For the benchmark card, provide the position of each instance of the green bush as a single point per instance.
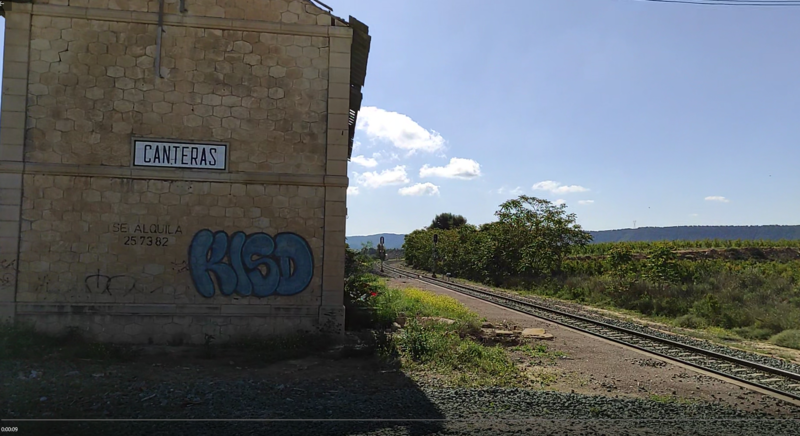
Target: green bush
(787, 338)
(691, 321)
(754, 333)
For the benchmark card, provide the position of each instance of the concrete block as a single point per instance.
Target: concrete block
(339, 106)
(339, 60)
(339, 75)
(19, 18)
(339, 90)
(10, 196)
(338, 151)
(335, 208)
(12, 136)
(11, 152)
(341, 45)
(336, 193)
(338, 122)
(336, 167)
(9, 229)
(9, 212)
(12, 119)
(17, 37)
(15, 70)
(10, 181)
(8, 246)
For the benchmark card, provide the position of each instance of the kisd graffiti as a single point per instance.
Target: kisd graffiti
(287, 258)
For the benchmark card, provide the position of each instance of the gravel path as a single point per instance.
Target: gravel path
(485, 409)
(325, 388)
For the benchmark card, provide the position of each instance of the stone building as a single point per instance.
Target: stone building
(176, 169)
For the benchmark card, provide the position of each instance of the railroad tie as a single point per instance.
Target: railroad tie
(770, 380)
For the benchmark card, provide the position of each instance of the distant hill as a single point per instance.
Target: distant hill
(685, 233)
(693, 233)
(390, 240)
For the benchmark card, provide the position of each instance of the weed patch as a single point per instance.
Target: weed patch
(788, 339)
(393, 304)
(446, 349)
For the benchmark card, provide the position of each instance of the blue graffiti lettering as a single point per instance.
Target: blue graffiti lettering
(286, 258)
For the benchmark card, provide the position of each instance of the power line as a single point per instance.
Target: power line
(730, 2)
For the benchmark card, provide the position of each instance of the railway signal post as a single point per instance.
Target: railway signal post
(435, 240)
(381, 252)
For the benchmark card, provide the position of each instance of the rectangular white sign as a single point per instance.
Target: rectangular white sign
(179, 155)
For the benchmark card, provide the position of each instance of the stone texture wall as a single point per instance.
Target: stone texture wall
(79, 227)
(282, 11)
(164, 254)
(91, 87)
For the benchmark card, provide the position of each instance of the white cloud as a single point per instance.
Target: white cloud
(364, 161)
(420, 189)
(356, 145)
(560, 201)
(374, 179)
(457, 169)
(353, 190)
(694, 215)
(399, 129)
(557, 188)
(717, 198)
(585, 201)
(515, 192)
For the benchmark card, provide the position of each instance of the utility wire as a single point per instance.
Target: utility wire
(786, 3)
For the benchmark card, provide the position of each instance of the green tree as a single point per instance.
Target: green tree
(661, 267)
(447, 221)
(621, 270)
(533, 235)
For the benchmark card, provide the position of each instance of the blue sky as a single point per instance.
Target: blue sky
(660, 113)
(664, 114)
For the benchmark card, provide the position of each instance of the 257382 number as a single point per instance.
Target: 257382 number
(158, 241)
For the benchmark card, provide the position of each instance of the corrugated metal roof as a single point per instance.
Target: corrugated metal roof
(359, 56)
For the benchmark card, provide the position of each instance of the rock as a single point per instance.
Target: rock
(396, 327)
(503, 333)
(534, 333)
(487, 325)
(435, 319)
(72, 373)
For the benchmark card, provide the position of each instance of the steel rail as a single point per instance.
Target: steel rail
(567, 317)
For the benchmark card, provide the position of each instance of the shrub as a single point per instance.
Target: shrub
(787, 338)
(691, 321)
(755, 333)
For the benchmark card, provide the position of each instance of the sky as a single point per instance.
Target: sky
(662, 114)
(626, 111)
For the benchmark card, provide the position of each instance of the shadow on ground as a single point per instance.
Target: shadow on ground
(320, 387)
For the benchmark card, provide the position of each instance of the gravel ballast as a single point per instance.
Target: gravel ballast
(355, 389)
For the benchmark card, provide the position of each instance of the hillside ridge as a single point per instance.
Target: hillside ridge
(641, 234)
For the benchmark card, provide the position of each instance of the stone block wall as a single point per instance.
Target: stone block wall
(171, 254)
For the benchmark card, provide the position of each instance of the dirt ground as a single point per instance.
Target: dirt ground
(597, 367)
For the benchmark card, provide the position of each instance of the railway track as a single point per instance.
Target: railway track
(774, 381)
